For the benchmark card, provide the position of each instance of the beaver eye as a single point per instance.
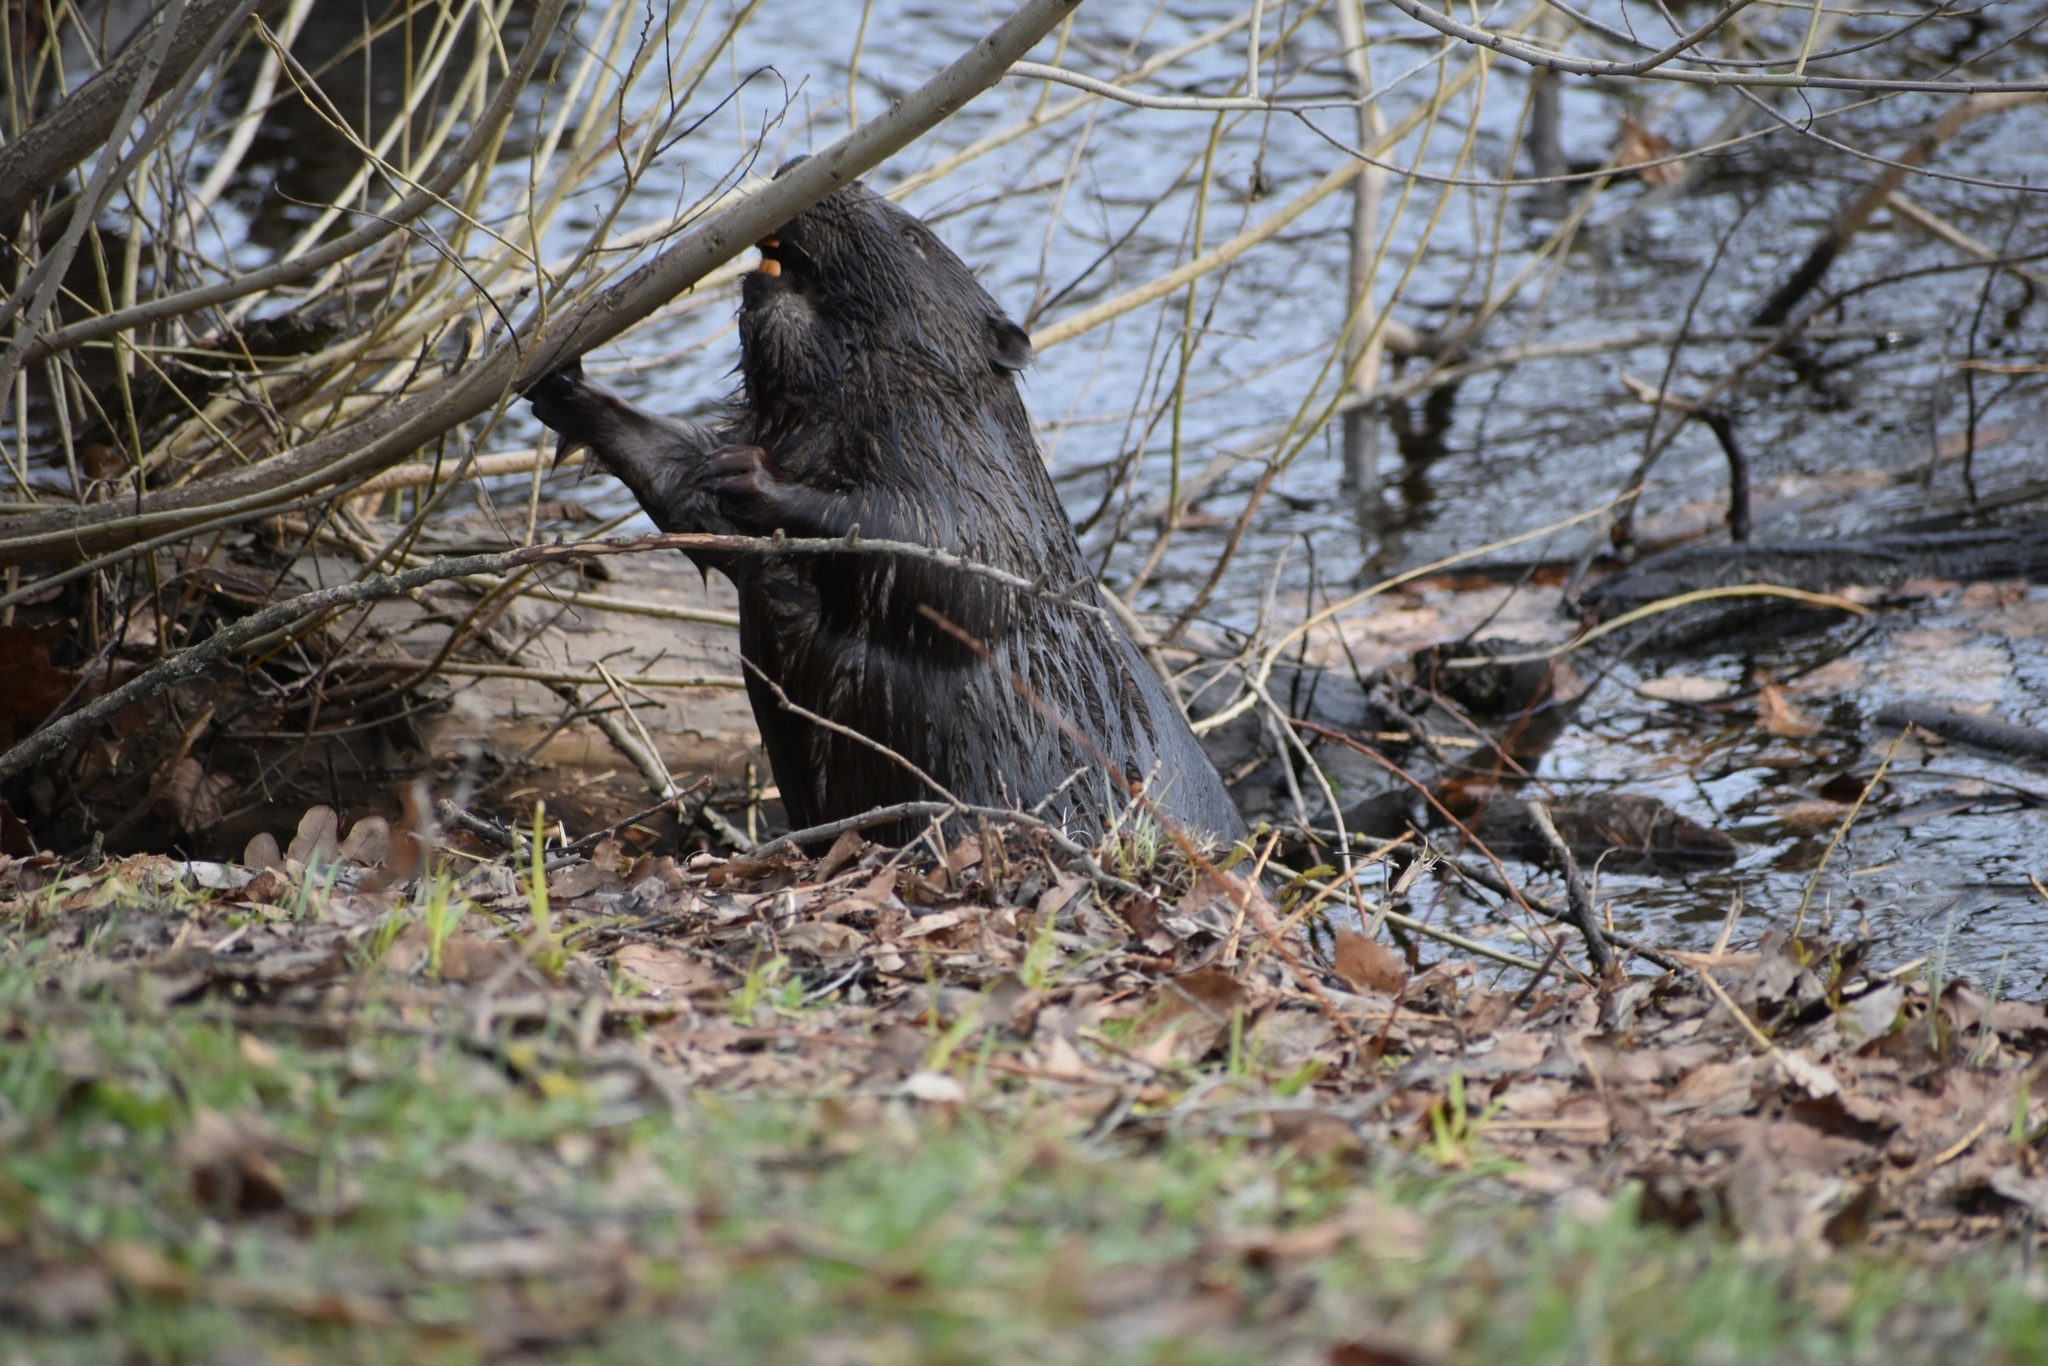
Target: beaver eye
(910, 236)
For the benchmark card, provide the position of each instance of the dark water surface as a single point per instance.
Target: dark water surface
(1850, 434)
(1863, 430)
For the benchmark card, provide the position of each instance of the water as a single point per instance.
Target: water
(1938, 865)
(1860, 431)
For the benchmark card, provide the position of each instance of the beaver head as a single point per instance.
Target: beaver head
(857, 308)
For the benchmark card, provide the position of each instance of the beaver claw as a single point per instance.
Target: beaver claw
(742, 478)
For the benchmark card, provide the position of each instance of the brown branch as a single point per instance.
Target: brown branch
(1577, 897)
(1723, 427)
(384, 437)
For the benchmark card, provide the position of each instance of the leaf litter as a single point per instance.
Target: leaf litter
(1789, 1093)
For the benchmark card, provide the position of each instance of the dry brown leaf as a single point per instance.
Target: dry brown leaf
(468, 957)
(143, 1268)
(194, 798)
(962, 856)
(581, 879)
(1368, 964)
(255, 1052)
(1834, 677)
(926, 925)
(1056, 898)
(30, 688)
(1778, 715)
(369, 840)
(1716, 1090)
(1314, 1135)
(1222, 893)
(317, 839)
(1684, 688)
(876, 894)
(1215, 992)
(1142, 915)
(1815, 1079)
(231, 1169)
(1640, 145)
(16, 839)
(669, 972)
(934, 1088)
(846, 849)
(1871, 1015)
(1813, 814)
(823, 940)
(268, 888)
(262, 852)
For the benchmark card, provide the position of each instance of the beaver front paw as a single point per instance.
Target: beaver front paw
(744, 482)
(561, 399)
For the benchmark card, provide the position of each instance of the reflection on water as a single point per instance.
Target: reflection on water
(1940, 860)
(1939, 866)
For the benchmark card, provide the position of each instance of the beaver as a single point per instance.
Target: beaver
(878, 394)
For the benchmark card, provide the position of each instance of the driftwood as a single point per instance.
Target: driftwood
(1987, 733)
(1881, 561)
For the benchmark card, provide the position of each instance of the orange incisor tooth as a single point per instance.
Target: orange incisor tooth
(770, 266)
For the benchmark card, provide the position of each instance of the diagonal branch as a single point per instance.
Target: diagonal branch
(385, 436)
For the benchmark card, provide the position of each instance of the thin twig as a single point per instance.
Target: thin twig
(1577, 898)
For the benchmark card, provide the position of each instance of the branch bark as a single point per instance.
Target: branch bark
(383, 438)
(280, 617)
(1578, 899)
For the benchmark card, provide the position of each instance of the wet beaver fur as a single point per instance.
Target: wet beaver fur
(878, 391)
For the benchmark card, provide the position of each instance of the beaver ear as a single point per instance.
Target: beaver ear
(1009, 346)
